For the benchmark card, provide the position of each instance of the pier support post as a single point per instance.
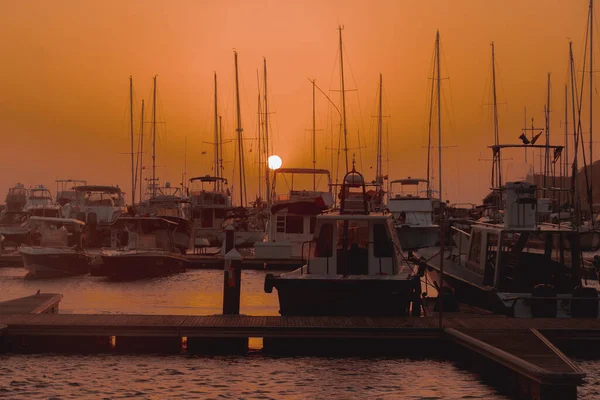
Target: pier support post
(229, 242)
(232, 282)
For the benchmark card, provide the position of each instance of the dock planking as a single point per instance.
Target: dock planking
(40, 303)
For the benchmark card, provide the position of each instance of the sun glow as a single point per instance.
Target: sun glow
(274, 162)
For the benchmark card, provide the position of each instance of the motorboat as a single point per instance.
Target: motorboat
(16, 198)
(143, 248)
(98, 206)
(56, 250)
(14, 228)
(412, 209)
(167, 202)
(211, 201)
(40, 204)
(294, 211)
(518, 268)
(355, 265)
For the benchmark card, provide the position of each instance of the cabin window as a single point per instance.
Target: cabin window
(382, 245)
(294, 224)
(474, 260)
(220, 213)
(324, 247)
(207, 218)
(490, 258)
(281, 223)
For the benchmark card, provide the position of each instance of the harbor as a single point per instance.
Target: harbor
(340, 201)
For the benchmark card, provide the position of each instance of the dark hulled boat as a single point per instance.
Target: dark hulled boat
(517, 269)
(58, 252)
(354, 267)
(149, 252)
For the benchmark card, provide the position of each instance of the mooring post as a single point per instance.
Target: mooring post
(232, 282)
(229, 242)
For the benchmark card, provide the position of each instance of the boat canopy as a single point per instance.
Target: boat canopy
(97, 188)
(56, 221)
(208, 178)
(409, 181)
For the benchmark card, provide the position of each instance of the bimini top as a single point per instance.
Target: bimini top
(57, 220)
(410, 181)
(154, 222)
(302, 171)
(97, 188)
(208, 178)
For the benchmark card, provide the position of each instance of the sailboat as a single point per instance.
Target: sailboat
(167, 202)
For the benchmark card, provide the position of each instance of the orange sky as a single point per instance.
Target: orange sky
(66, 64)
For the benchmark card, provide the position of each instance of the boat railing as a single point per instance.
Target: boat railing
(460, 233)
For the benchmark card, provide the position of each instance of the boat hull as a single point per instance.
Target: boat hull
(344, 296)
(53, 263)
(147, 265)
(589, 241)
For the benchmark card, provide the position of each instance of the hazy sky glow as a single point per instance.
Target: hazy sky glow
(64, 89)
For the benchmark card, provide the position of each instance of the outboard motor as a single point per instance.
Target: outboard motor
(582, 307)
(544, 308)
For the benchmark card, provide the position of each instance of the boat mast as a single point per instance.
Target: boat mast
(131, 138)
(221, 150)
(154, 138)
(429, 134)
(340, 28)
(591, 22)
(547, 155)
(575, 168)
(379, 167)
(142, 153)
(258, 130)
(442, 256)
(239, 134)
(566, 163)
(216, 138)
(266, 136)
(314, 136)
(497, 167)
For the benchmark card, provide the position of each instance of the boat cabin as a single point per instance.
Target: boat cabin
(143, 233)
(408, 202)
(16, 198)
(299, 195)
(516, 261)
(210, 201)
(354, 241)
(56, 232)
(96, 195)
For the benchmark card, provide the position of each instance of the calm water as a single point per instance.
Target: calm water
(181, 376)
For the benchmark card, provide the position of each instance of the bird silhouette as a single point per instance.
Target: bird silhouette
(535, 138)
(524, 139)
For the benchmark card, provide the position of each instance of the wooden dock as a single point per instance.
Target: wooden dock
(41, 303)
(515, 353)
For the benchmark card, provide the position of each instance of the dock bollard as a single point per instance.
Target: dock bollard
(232, 282)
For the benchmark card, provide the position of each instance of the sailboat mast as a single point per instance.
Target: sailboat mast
(497, 167)
(314, 136)
(439, 111)
(343, 98)
(239, 133)
(379, 171)
(259, 136)
(216, 138)
(142, 153)
(429, 133)
(266, 134)
(591, 19)
(547, 155)
(575, 168)
(154, 138)
(221, 150)
(566, 163)
(131, 134)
